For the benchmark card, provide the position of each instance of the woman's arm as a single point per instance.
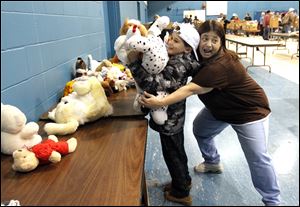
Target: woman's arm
(150, 101)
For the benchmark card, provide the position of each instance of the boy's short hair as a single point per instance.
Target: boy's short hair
(189, 34)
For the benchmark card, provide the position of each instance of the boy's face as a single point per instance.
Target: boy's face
(210, 44)
(175, 45)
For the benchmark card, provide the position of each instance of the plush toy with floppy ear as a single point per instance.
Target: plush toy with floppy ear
(155, 55)
(15, 133)
(125, 34)
(155, 58)
(48, 151)
(87, 103)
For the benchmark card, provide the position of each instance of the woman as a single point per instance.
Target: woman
(231, 97)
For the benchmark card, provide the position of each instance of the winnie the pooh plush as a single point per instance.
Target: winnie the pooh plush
(48, 151)
(87, 103)
(15, 133)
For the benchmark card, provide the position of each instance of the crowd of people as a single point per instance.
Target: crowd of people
(194, 21)
(286, 22)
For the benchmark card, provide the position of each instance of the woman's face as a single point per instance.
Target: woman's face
(210, 44)
(175, 44)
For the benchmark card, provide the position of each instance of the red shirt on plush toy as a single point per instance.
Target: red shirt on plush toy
(44, 150)
(50, 150)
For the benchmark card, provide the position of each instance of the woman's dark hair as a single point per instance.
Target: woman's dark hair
(217, 27)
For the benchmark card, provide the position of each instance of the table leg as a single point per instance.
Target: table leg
(145, 197)
(265, 48)
(252, 64)
(253, 56)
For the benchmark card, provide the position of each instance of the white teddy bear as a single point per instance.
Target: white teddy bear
(87, 103)
(15, 133)
(155, 58)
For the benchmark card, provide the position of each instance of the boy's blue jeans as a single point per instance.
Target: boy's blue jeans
(253, 139)
(177, 163)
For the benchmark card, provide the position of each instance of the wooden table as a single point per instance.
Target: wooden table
(107, 167)
(252, 42)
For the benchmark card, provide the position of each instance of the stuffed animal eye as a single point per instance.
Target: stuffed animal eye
(66, 102)
(24, 156)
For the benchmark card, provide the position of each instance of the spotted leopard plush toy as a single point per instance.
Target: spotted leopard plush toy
(155, 58)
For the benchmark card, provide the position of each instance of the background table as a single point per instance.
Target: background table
(285, 37)
(107, 167)
(252, 42)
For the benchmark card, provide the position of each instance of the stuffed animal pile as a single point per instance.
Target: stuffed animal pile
(155, 57)
(15, 132)
(113, 77)
(48, 151)
(86, 103)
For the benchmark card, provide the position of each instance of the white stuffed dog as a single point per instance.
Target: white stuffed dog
(155, 58)
(87, 103)
(15, 133)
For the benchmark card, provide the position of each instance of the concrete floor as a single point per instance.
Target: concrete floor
(234, 186)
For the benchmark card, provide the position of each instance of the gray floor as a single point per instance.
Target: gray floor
(234, 187)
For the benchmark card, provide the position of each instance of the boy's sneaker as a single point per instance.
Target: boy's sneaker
(168, 187)
(187, 201)
(208, 168)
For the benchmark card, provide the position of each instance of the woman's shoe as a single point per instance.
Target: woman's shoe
(208, 168)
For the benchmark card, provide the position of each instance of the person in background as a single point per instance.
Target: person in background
(231, 98)
(222, 18)
(247, 17)
(191, 19)
(196, 20)
(266, 25)
(287, 20)
(261, 23)
(181, 46)
(235, 17)
(186, 19)
(278, 16)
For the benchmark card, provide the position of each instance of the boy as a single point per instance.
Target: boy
(181, 47)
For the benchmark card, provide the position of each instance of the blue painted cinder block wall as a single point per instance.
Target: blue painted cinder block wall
(40, 42)
(176, 8)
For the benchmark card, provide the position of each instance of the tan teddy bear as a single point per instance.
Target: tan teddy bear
(87, 103)
(48, 151)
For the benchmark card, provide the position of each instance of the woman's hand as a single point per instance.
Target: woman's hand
(150, 101)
